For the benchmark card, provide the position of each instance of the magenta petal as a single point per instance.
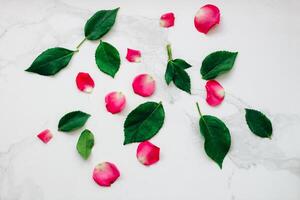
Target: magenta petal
(115, 102)
(105, 174)
(45, 136)
(167, 20)
(206, 17)
(133, 55)
(84, 82)
(214, 93)
(143, 85)
(147, 153)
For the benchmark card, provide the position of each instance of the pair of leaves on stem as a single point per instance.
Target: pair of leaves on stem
(73, 121)
(51, 61)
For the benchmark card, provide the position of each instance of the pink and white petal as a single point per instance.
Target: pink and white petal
(85, 82)
(105, 174)
(133, 55)
(144, 85)
(206, 18)
(167, 20)
(147, 153)
(215, 93)
(45, 136)
(115, 102)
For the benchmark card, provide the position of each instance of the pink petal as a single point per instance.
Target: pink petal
(133, 55)
(105, 174)
(115, 102)
(207, 17)
(147, 153)
(84, 82)
(167, 20)
(143, 85)
(45, 136)
(214, 93)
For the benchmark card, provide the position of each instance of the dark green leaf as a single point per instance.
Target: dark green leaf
(100, 23)
(181, 63)
(217, 63)
(258, 123)
(217, 138)
(107, 58)
(169, 72)
(51, 61)
(72, 121)
(85, 144)
(143, 122)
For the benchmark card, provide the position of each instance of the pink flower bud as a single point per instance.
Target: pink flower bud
(115, 102)
(147, 153)
(207, 17)
(214, 93)
(105, 174)
(84, 82)
(167, 20)
(133, 55)
(45, 136)
(143, 85)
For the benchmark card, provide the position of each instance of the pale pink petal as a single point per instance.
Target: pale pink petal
(167, 20)
(207, 17)
(45, 136)
(85, 82)
(147, 153)
(133, 55)
(115, 102)
(143, 85)
(214, 93)
(105, 174)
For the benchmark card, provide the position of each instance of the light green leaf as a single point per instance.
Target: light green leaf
(85, 144)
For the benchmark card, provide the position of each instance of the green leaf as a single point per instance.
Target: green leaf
(217, 63)
(176, 72)
(72, 121)
(85, 144)
(108, 58)
(258, 123)
(217, 138)
(51, 61)
(143, 122)
(100, 23)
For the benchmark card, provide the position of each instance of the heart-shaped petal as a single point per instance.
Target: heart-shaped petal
(167, 20)
(143, 85)
(105, 174)
(206, 17)
(133, 55)
(147, 153)
(214, 93)
(45, 136)
(115, 102)
(85, 82)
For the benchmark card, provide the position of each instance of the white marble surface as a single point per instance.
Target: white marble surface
(266, 77)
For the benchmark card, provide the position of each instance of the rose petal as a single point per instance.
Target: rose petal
(115, 102)
(84, 82)
(133, 55)
(214, 93)
(143, 85)
(45, 136)
(207, 17)
(105, 174)
(167, 20)
(147, 153)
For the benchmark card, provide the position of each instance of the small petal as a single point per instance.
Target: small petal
(45, 136)
(167, 20)
(143, 85)
(115, 102)
(105, 174)
(147, 153)
(214, 93)
(207, 17)
(133, 55)
(85, 82)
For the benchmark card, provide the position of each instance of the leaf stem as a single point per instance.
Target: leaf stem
(169, 50)
(198, 108)
(78, 46)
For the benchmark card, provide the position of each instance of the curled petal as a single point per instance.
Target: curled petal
(167, 20)
(147, 153)
(105, 174)
(207, 17)
(214, 93)
(45, 136)
(133, 55)
(115, 102)
(143, 85)
(85, 82)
